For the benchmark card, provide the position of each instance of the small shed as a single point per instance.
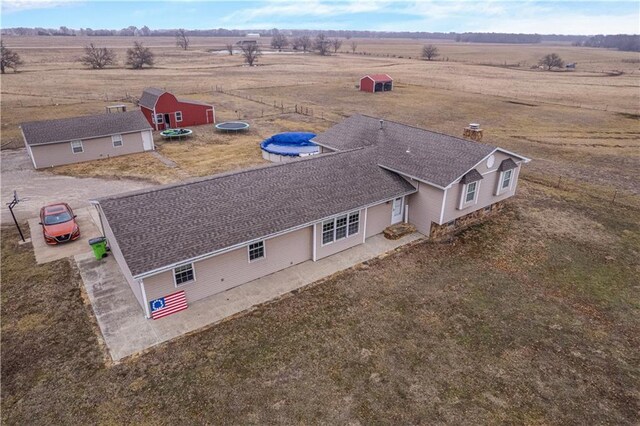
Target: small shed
(164, 111)
(376, 83)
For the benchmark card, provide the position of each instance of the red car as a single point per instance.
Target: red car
(58, 224)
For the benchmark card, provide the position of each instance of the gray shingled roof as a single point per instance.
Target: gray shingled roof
(159, 227)
(472, 176)
(507, 164)
(149, 97)
(84, 127)
(430, 156)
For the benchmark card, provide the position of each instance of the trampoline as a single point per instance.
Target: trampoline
(176, 133)
(288, 146)
(232, 126)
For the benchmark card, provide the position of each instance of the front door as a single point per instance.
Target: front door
(167, 121)
(396, 211)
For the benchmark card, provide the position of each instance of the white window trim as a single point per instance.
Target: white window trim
(193, 269)
(81, 147)
(116, 138)
(334, 220)
(159, 119)
(176, 115)
(463, 197)
(264, 251)
(500, 189)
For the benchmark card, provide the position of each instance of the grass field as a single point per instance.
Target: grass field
(531, 318)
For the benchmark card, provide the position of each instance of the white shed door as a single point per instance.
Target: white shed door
(147, 141)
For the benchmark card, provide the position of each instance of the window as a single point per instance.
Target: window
(76, 147)
(506, 179)
(178, 116)
(256, 251)
(341, 227)
(184, 274)
(354, 223)
(159, 119)
(116, 140)
(471, 192)
(327, 231)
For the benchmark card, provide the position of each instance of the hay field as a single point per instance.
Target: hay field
(582, 125)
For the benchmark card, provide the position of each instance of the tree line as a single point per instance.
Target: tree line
(629, 43)
(498, 38)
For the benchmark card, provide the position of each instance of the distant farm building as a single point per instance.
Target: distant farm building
(253, 35)
(376, 83)
(164, 111)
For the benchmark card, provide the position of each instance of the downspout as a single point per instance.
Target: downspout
(97, 205)
(147, 314)
(315, 242)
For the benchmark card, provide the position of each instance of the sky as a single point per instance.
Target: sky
(519, 16)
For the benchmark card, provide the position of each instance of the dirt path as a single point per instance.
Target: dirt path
(41, 187)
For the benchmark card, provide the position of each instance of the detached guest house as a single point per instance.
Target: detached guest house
(73, 140)
(208, 236)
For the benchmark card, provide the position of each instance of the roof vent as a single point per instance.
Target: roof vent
(381, 124)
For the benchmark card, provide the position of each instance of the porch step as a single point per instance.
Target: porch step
(398, 231)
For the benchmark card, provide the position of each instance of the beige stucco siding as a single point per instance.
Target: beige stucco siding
(337, 246)
(378, 218)
(486, 192)
(425, 207)
(57, 154)
(117, 255)
(222, 272)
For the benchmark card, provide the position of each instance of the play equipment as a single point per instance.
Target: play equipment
(232, 126)
(288, 146)
(176, 133)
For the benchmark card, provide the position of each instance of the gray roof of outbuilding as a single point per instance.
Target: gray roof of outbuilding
(163, 226)
(150, 96)
(433, 157)
(83, 127)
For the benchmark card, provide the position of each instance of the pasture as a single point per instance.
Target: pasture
(530, 318)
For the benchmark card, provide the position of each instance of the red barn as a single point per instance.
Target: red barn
(164, 111)
(376, 83)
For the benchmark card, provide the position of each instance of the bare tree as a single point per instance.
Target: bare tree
(336, 43)
(229, 47)
(303, 42)
(98, 57)
(250, 52)
(321, 44)
(181, 39)
(278, 40)
(430, 52)
(551, 60)
(354, 46)
(8, 58)
(138, 56)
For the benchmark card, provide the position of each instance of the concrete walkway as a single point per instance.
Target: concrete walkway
(126, 331)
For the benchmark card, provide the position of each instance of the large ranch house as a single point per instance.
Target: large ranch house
(210, 235)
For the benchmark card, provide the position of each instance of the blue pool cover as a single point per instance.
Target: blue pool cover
(290, 143)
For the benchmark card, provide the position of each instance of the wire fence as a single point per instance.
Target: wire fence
(613, 196)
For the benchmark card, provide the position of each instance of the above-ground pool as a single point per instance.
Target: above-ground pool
(232, 126)
(288, 146)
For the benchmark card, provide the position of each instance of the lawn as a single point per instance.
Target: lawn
(530, 318)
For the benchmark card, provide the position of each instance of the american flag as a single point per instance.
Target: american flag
(168, 305)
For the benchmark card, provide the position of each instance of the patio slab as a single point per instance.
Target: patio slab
(126, 331)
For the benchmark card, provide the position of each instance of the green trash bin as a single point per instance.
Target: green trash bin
(99, 247)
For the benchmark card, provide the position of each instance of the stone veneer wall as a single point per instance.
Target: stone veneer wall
(447, 229)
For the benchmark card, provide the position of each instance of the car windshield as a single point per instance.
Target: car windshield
(54, 219)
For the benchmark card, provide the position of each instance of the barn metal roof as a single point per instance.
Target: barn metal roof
(379, 77)
(83, 127)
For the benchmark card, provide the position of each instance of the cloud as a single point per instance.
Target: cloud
(10, 6)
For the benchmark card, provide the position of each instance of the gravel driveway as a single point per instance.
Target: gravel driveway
(42, 187)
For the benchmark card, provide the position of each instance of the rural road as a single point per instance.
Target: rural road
(41, 187)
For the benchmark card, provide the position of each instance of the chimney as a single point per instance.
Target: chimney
(381, 124)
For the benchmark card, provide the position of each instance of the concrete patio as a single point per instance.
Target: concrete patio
(126, 331)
